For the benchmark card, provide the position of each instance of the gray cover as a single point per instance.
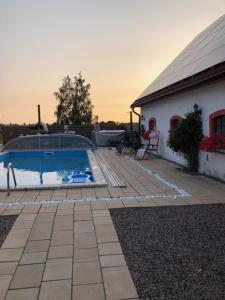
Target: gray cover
(105, 137)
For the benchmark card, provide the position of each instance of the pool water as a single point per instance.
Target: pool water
(46, 168)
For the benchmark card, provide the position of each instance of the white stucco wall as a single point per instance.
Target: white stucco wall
(210, 98)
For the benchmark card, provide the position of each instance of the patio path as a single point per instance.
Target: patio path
(66, 250)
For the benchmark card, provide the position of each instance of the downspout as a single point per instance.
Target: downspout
(139, 124)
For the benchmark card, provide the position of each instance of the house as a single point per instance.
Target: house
(195, 78)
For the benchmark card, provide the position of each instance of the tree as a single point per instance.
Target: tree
(74, 104)
(185, 139)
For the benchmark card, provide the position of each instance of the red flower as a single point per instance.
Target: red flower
(212, 143)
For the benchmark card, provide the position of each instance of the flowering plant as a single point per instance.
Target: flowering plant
(212, 143)
(146, 135)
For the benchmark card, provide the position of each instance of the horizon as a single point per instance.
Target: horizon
(119, 46)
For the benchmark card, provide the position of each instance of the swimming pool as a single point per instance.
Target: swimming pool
(56, 168)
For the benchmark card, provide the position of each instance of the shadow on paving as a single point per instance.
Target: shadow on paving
(175, 252)
(6, 223)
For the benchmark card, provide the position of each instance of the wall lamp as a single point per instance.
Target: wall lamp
(142, 117)
(197, 109)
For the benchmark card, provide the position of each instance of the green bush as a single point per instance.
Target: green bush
(185, 139)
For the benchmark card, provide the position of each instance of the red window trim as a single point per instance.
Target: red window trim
(212, 117)
(152, 120)
(175, 117)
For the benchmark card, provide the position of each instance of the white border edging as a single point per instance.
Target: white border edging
(147, 197)
(180, 191)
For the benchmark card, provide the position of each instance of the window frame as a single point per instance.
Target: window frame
(172, 119)
(212, 121)
(152, 120)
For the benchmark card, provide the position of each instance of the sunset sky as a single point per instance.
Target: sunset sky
(120, 46)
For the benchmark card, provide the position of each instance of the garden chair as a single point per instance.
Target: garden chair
(130, 141)
(152, 146)
(153, 143)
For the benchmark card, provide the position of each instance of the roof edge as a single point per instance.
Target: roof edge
(194, 80)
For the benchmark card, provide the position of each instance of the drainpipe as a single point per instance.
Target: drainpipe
(131, 121)
(139, 124)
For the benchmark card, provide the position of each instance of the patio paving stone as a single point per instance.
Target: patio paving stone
(60, 251)
(65, 206)
(131, 203)
(118, 283)
(109, 248)
(83, 227)
(58, 268)
(60, 290)
(106, 233)
(90, 291)
(103, 220)
(101, 213)
(83, 255)
(64, 212)
(23, 294)
(27, 276)
(16, 238)
(41, 232)
(62, 238)
(26, 217)
(115, 204)
(33, 258)
(98, 204)
(22, 224)
(86, 272)
(32, 208)
(45, 218)
(82, 206)
(37, 246)
(63, 223)
(112, 260)
(82, 215)
(4, 284)
(10, 254)
(85, 240)
(7, 267)
(48, 209)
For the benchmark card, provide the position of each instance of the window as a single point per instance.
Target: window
(220, 125)
(217, 122)
(174, 121)
(152, 124)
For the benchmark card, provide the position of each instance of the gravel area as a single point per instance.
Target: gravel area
(175, 252)
(6, 223)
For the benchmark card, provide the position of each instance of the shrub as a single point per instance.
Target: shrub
(185, 139)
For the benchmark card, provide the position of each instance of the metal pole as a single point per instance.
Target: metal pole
(39, 113)
(10, 166)
(8, 183)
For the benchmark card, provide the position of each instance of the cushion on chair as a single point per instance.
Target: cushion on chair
(140, 153)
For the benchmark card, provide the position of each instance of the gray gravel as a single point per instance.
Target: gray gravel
(175, 252)
(6, 223)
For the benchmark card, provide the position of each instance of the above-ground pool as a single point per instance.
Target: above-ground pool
(40, 169)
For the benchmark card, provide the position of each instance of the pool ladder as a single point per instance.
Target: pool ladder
(10, 167)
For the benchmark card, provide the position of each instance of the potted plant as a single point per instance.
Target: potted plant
(146, 135)
(213, 143)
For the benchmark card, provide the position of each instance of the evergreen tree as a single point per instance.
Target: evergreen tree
(74, 104)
